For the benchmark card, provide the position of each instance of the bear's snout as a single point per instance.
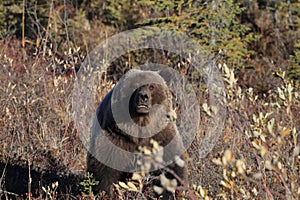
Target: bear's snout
(143, 97)
(143, 102)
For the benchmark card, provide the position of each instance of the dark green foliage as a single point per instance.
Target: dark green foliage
(35, 12)
(10, 19)
(294, 70)
(213, 24)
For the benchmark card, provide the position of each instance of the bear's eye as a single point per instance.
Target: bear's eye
(151, 87)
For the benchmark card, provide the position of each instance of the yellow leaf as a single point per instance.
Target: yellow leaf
(296, 151)
(254, 190)
(268, 165)
(157, 189)
(225, 184)
(202, 192)
(225, 175)
(217, 161)
(123, 185)
(281, 94)
(263, 150)
(132, 186)
(286, 132)
(240, 166)
(256, 144)
(270, 125)
(228, 157)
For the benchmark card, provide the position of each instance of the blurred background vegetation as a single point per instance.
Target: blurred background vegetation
(255, 37)
(256, 44)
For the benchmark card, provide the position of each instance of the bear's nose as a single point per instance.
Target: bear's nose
(143, 97)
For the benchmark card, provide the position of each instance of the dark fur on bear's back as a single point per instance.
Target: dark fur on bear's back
(141, 103)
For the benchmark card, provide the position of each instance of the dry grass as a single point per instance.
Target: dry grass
(257, 156)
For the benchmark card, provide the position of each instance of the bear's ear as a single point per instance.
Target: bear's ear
(167, 73)
(174, 82)
(172, 78)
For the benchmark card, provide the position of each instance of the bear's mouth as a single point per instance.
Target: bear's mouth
(142, 109)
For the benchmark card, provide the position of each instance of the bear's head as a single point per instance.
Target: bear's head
(146, 96)
(152, 98)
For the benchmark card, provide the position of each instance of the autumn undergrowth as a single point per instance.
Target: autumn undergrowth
(256, 157)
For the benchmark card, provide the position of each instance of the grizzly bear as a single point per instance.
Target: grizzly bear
(137, 110)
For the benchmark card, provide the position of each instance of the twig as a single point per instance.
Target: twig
(1, 179)
(264, 183)
(23, 25)
(29, 180)
(47, 30)
(3, 174)
(10, 193)
(280, 176)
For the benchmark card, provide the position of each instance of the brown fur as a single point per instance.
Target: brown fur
(146, 114)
